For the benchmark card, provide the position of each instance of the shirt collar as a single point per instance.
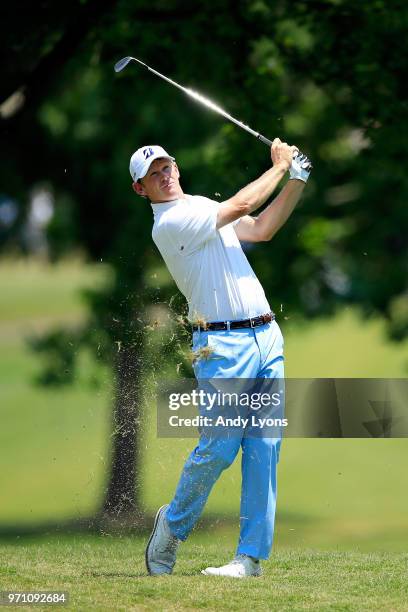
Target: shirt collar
(162, 206)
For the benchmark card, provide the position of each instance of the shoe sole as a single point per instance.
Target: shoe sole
(156, 520)
(236, 577)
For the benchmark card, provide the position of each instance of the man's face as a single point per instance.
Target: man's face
(161, 183)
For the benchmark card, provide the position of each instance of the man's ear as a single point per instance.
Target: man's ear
(177, 169)
(138, 188)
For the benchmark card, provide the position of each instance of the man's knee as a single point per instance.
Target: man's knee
(219, 453)
(262, 447)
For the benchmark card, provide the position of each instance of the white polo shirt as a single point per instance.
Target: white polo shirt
(208, 265)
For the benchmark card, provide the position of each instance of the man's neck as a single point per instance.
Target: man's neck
(181, 196)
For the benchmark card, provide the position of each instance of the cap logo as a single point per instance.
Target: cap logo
(148, 152)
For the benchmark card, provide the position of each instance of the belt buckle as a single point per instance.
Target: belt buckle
(252, 323)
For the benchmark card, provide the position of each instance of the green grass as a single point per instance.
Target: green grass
(107, 573)
(33, 292)
(55, 444)
(53, 455)
(346, 346)
(333, 494)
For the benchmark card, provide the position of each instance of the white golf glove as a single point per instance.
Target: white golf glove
(300, 168)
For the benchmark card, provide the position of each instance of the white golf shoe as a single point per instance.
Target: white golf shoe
(242, 566)
(161, 549)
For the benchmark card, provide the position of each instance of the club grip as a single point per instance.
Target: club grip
(269, 144)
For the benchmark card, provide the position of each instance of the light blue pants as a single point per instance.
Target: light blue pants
(243, 353)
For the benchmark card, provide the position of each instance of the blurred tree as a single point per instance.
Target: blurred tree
(326, 75)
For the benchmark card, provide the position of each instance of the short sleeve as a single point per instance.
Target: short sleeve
(192, 225)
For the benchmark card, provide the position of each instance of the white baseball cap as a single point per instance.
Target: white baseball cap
(143, 157)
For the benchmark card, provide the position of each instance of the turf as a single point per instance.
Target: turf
(105, 573)
(33, 291)
(55, 444)
(332, 494)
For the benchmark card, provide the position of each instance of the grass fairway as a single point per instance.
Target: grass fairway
(109, 574)
(54, 443)
(340, 541)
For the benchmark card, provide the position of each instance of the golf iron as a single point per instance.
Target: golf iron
(121, 64)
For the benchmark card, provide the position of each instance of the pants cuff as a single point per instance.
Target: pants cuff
(252, 552)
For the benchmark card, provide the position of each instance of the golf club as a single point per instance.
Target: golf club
(121, 64)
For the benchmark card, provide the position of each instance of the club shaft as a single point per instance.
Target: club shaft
(121, 64)
(218, 110)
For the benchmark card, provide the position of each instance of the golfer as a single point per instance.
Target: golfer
(200, 242)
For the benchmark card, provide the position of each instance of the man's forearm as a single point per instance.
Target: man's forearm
(276, 214)
(252, 196)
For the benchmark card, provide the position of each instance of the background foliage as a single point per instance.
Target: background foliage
(325, 75)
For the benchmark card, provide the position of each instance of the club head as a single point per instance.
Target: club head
(121, 64)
